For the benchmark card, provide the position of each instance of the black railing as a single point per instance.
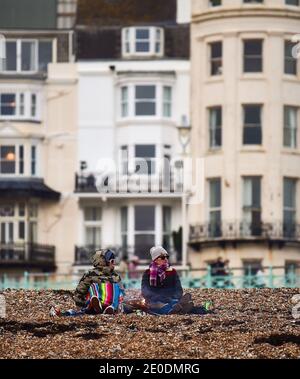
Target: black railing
(243, 230)
(27, 253)
(83, 254)
(91, 183)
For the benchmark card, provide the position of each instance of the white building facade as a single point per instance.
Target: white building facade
(129, 107)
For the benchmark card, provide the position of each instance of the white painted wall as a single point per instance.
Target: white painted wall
(183, 11)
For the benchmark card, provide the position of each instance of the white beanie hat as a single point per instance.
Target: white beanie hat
(157, 251)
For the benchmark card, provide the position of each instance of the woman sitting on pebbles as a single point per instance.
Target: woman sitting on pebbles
(162, 290)
(100, 290)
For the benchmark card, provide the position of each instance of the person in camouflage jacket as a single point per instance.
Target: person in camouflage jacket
(102, 274)
(100, 290)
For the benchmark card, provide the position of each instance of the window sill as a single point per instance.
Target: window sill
(216, 151)
(291, 78)
(290, 151)
(253, 76)
(215, 79)
(145, 120)
(26, 120)
(24, 75)
(19, 176)
(252, 149)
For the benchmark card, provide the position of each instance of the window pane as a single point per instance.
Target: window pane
(216, 50)
(292, 2)
(21, 230)
(252, 114)
(145, 92)
(8, 104)
(256, 192)
(289, 193)
(253, 56)
(124, 219)
(145, 151)
(215, 193)
(142, 47)
(253, 47)
(33, 104)
(167, 93)
(143, 244)
(28, 56)
(8, 160)
(93, 236)
(167, 219)
(93, 214)
(142, 33)
(33, 160)
(290, 63)
(21, 105)
(252, 136)
(45, 54)
(290, 126)
(145, 109)
(21, 160)
(215, 228)
(144, 218)
(11, 56)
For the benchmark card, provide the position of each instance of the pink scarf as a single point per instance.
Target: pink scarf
(157, 271)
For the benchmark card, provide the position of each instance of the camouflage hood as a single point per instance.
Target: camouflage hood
(99, 262)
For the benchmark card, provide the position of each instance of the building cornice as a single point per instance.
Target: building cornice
(241, 12)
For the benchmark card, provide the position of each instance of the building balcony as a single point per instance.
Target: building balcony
(27, 255)
(126, 184)
(221, 233)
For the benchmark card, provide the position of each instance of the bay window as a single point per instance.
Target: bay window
(142, 41)
(27, 56)
(18, 222)
(18, 105)
(18, 160)
(146, 100)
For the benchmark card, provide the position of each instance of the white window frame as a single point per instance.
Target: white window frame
(92, 223)
(129, 40)
(290, 127)
(26, 218)
(27, 159)
(159, 101)
(19, 55)
(27, 105)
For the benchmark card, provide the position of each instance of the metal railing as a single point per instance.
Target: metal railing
(243, 230)
(238, 278)
(91, 183)
(83, 254)
(27, 253)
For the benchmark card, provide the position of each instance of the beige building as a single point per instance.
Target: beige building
(245, 100)
(38, 148)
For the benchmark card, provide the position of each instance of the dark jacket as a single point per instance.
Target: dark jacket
(166, 291)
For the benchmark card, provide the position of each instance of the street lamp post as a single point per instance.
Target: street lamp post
(184, 133)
